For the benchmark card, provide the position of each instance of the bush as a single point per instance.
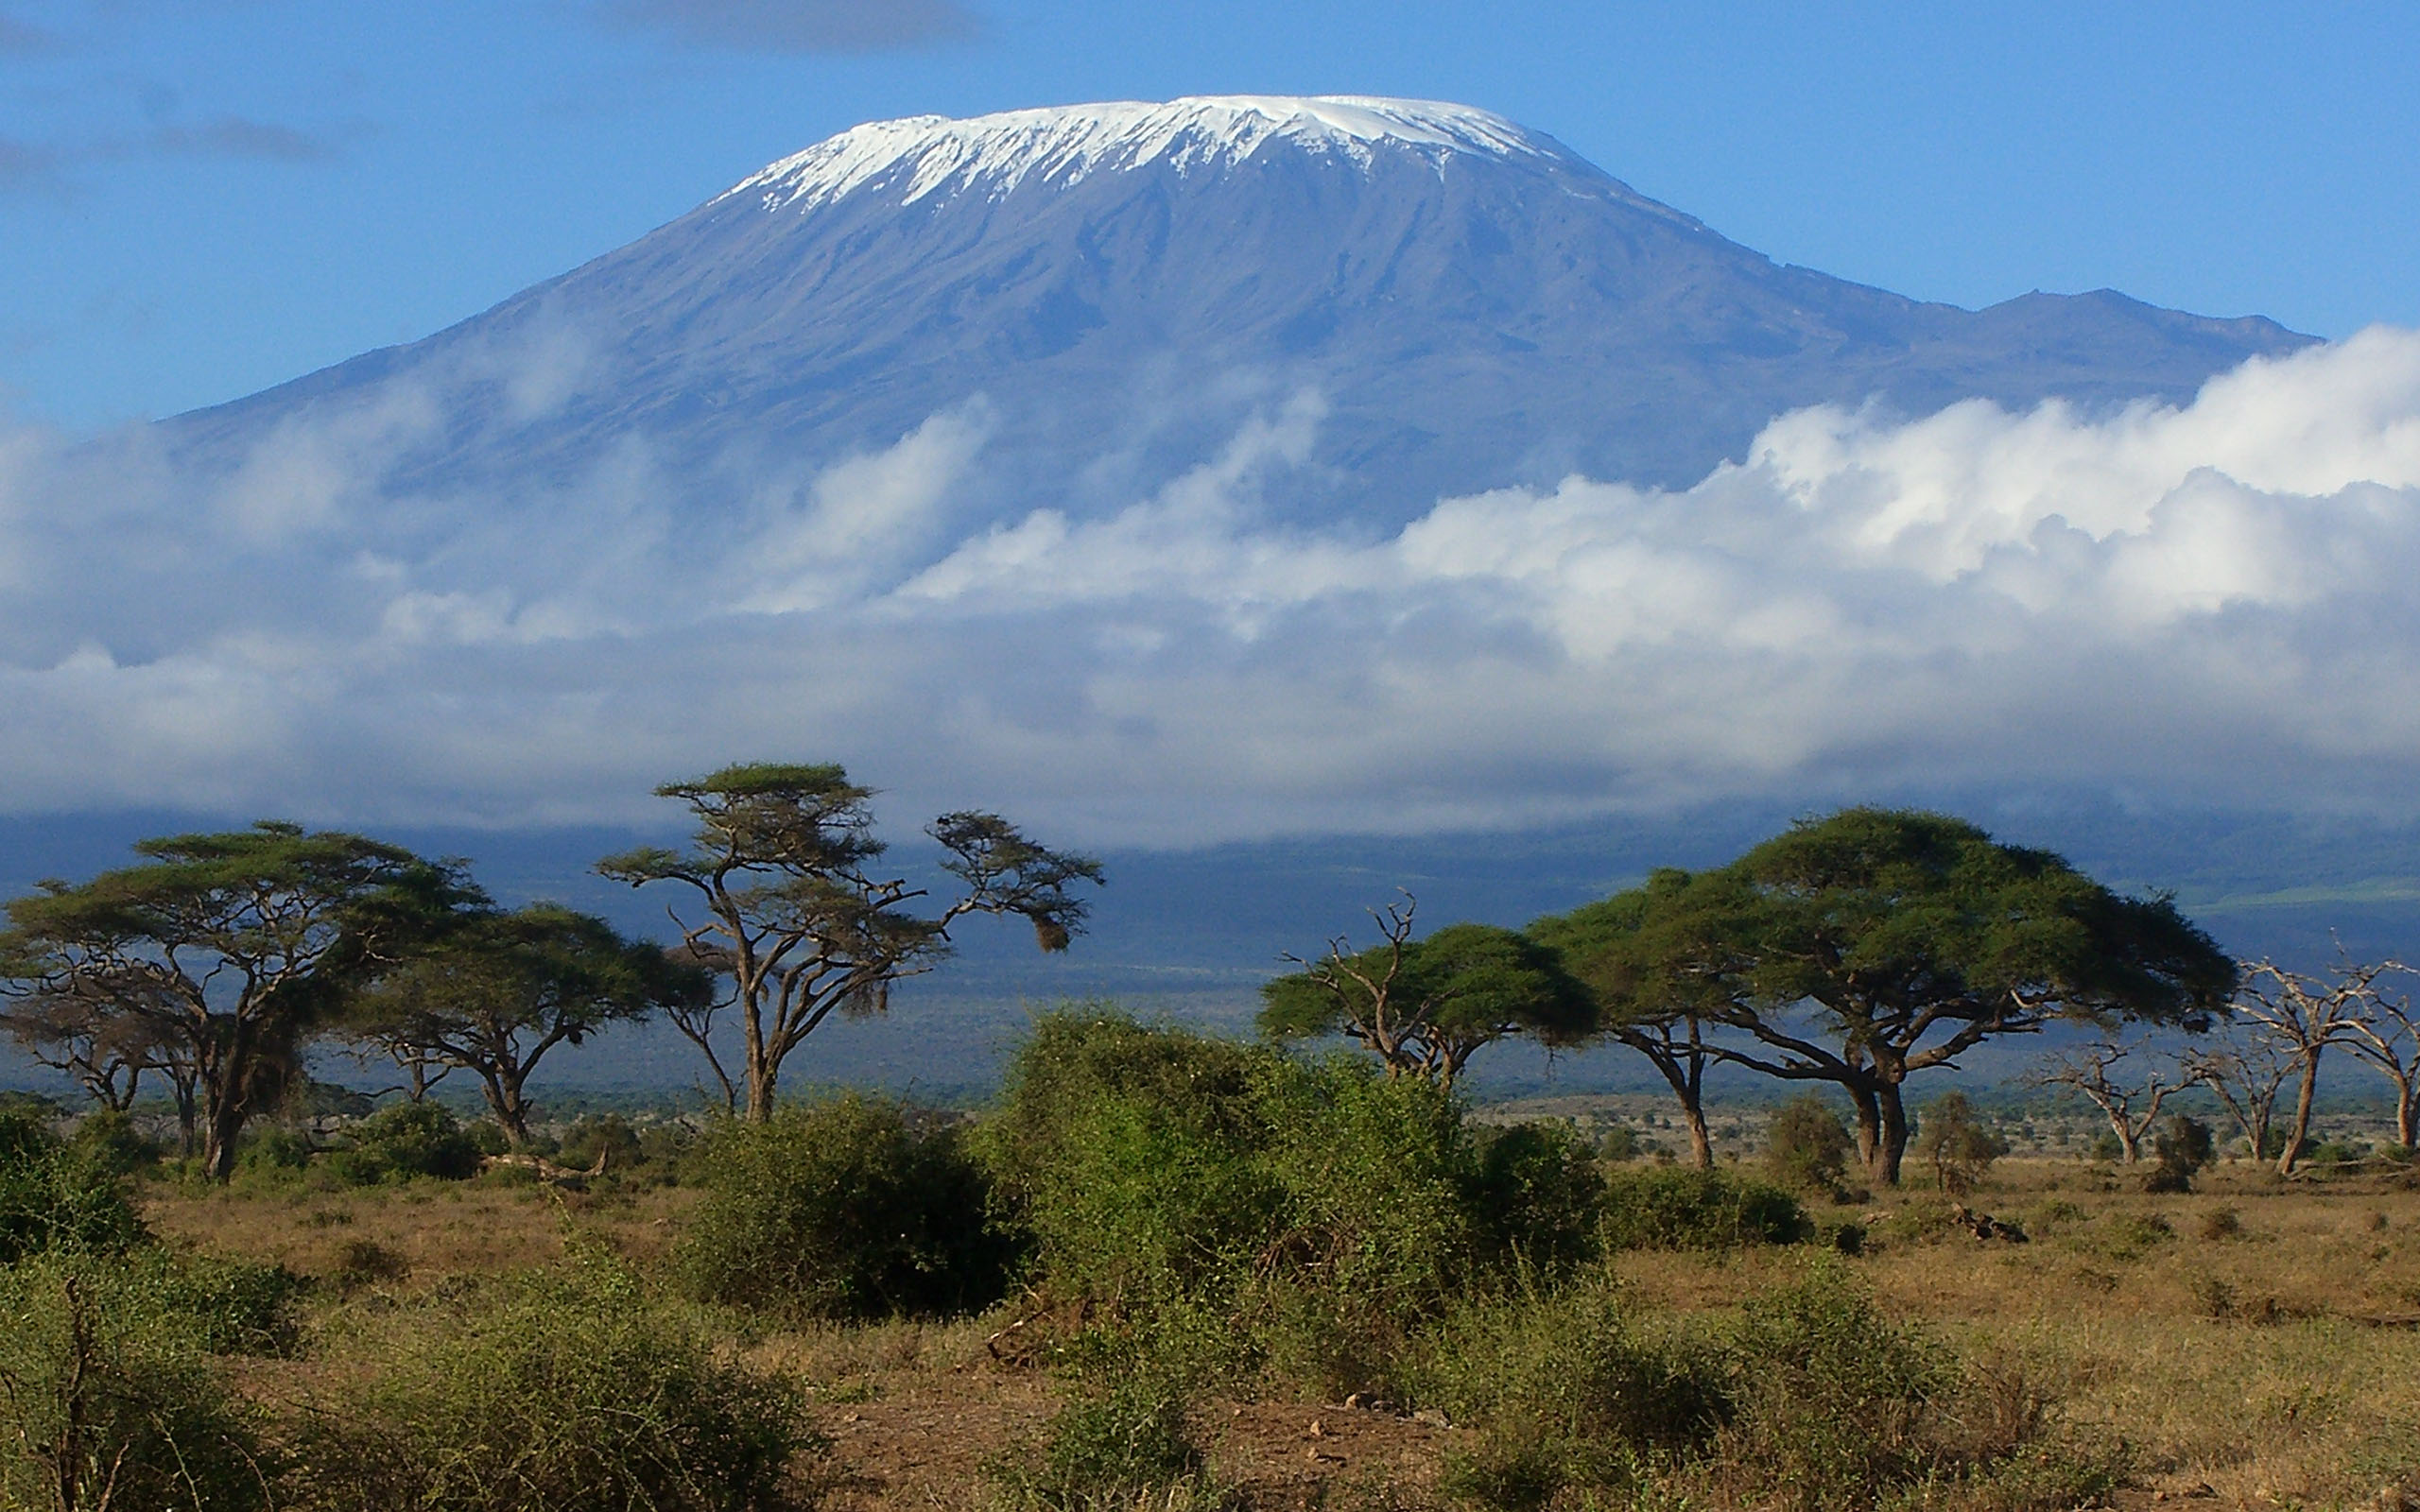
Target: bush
(1678, 1208)
(273, 1155)
(108, 1141)
(1570, 1364)
(1807, 1146)
(846, 1208)
(1834, 1401)
(110, 1388)
(1115, 1448)
(1959, 1149)
(1132, 1155)
(2183, 1146)
(57, 1197)
(233, 1306)
(573, 1391)
(1539, 1196)
(595, 1135)
(409, 1140)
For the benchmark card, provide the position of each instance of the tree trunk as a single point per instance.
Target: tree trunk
(2304, 1090)
(1892, 1144)
(222, 1123)
(2129, 1145)
(2407, 1113)
(762, 1077)
(1869, 1129)
(510, 1108)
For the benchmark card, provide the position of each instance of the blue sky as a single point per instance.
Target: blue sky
(202, 198)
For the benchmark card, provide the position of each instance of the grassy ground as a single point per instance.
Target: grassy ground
(2258, 1343)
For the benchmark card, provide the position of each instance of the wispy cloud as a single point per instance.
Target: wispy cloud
(2209, 602)
(800, 25)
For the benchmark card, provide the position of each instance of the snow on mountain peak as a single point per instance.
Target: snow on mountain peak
(926, 154)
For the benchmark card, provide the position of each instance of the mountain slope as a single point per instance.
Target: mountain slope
(1122, 285)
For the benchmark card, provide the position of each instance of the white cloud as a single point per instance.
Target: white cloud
(2211, 602)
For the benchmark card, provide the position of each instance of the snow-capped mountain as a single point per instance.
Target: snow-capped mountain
(1457, 302)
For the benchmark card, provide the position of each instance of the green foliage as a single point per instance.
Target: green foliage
(1132, 1155)
(2183, 1146)
(109, 1396)
(1426, 1006)
(408, 1140)
(1541, 1194)
(1115, 1448)
(844, 1208)
(608, 1136)
(1955, 1144)
(233, 1306)
(1570, 1366)
(58, 1196)
(106, 1140)
(1676, 1209)
(274, 1155)
(1835, 1404)
(571, 1391)
(1807, 1146)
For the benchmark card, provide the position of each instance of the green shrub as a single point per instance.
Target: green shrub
(274, 1156)
(843, 1207)
(1540, 1193)
(1569, 1365)
(53, 1196)
(1955, 1144)
(107, 1140)
(408, 1140)
(1677, 1209)
(573, 1391)
(1836, 1404)
(1132, 1155)
(1114, 1449)
(592, 1135)
(1807, 1146)
(234, 1306)
(108, 1397)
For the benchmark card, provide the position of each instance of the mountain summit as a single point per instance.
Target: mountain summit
(1115, 291)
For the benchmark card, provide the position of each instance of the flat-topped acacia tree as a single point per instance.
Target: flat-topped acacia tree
(1425, 1007)
(227, 949)
(496, 992)
(792, 909)
(1865, 947)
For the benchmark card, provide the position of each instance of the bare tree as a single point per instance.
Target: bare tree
(2304, 1015)
(2247, 1073)
(2130, 1098)
(2387, 1035)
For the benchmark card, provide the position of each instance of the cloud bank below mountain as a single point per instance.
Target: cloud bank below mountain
(2207, 604)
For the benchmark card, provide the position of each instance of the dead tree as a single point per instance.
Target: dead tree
(2247, 1074)
(2304, 1015)
(2131, 1102)
(2386, 1035)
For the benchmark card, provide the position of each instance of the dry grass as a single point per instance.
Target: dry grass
(2267, 1360)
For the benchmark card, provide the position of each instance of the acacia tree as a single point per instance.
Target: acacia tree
(498, 990)
(2129, 1099)
(790, 908)
(229, 949)
(1866, 946)
(2303, 1015)
(1426, 1006)
(1651, 992)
